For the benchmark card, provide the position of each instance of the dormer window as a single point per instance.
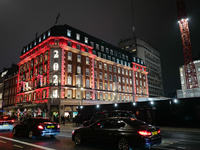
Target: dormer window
(69, 33)
(77, 36)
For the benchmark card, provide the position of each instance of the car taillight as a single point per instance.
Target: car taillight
(159, 131)
(12, 120)
(73, 132)
(58, 126)
(144, 133)
(40, 127)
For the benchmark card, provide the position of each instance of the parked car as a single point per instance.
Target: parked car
(37, 127)
(6, 123)
(109, 113)
(124, 133)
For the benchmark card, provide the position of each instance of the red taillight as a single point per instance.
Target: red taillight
(40, 127)
(12, 120)
(73, 132)
(58, 126)
(159, 131)
(144, 133)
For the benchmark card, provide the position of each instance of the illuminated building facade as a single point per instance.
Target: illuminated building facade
(151, 57)
(65, 67)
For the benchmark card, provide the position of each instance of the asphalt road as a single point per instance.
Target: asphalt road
(172, 140)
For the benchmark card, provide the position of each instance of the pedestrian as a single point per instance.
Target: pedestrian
(77, 120)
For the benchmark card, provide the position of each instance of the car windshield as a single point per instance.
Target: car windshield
(41, 120)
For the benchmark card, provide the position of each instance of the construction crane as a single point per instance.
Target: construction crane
(190, 71)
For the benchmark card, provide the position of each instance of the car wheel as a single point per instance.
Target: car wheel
(30, 135)
(123, 144)
(14, 131)
(77, 139)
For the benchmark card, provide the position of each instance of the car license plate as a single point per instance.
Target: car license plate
(5, 125)
(154, 133)
(49, 127)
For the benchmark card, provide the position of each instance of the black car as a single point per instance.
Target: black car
(125, 133)
(37, 127)
(109, 113)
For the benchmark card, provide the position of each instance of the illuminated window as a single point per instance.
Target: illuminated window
(69, 33)
(111, 52)
(69, 93)
(136, 82)
(87, 83)
(111, 88)
(104, 56)
(100, 75)
(105, 76)
(69, 68)
(78, 70)
(123, 80)
(102, 48)
(122, 71)
(34, 96)
(97, 46)
(100, 65)
(69, 56)
(45, 80)
(44, 36)
(45, 57)
(86, 40)
(130, 73)
(69, 80)
(87, 72)
(95, 63)
(121, 62)
(94, 52)
(30, 97)
(119, 88)
(99, 54)
(123, 88)
(92, 44)
(106, 86)
(130, 81)
(49, 33)
(78, 58)
(95, 74)
(43, 94)
(136, 74)
(109, 58)
(110, 68)
(105, 66)
(119, 70)
(119, 79)
(113, 59)
(114, 68)
(77, 36)
(127, 89)
(110, 77)
(126, 80)
(115, 78)
(126, 72)
(100, 86)
(87, 61)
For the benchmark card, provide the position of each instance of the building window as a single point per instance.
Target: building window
(136, 74)
(136, 82)
(144, 83)
(86, 49)
(69, 43)
(140, 75)
(123, 88)
(198, 68)
(131, 90)
(77, 36)
(44, 94)
(119, 70)
(69, 93)
(69, 68)
(100, 65)
(87, 61)
(110, 68)
(92, 44)
(49, 33)
(105, 66)
(104, 56)
(126, 80)
(101, 96)
(111, 52)
(106, 86)
(102, 48)
(78, 58)
(94, 52)
(119, 88)
(86, 40)
(99, 54)
(78, 70)
(119, 79)
(122, 71)
(111, 87)
(95, 84)
(127, 58)
(127, 72)
(69, 57)
(109, 58)
(123, 80)
(95, 63)
(100, 86)
(140, 83)
(87, 71)
(113, 59)
(95, 74)
(78, 46)
(130, 81)
(117, 60)
(87, 83)
(121, 62)
(107, 50)
(69, 33)
(97, 46)
(115, 78)
(69, 80)
(114, 68)
(110, 77)
(100, 75)
(130, 73)
(105, 76)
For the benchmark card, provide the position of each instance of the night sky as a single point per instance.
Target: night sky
(109, 20)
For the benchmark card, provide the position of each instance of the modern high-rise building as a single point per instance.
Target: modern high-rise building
(151, 57)
(65, 67)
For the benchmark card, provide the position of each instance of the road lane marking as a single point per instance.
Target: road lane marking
(189, 141)
(163, 148)
(2, 141)
(18, 146)
(64, 135)
(34, 145)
